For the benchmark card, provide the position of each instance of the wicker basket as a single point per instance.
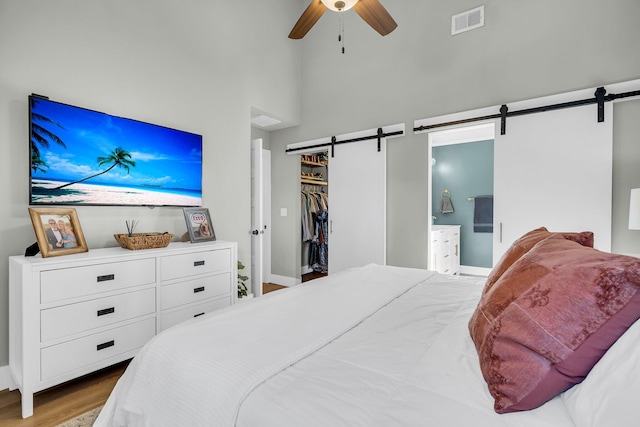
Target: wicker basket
(143, 240)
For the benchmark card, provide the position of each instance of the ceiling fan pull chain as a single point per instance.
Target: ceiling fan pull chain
(341, 35)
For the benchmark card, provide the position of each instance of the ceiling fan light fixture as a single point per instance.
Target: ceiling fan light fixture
(340, 5)
(371, 11)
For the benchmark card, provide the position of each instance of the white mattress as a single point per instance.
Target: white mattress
(406, 359)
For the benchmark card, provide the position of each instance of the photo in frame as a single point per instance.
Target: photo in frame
(199, 224)
(58, 231)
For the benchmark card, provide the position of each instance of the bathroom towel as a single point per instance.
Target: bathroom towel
(445, 205)
(483, 214)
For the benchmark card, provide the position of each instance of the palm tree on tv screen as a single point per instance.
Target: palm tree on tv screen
(37, 164)
(118, 157)
(41, 137)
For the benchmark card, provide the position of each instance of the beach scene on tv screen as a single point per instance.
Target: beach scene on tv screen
(83, 157)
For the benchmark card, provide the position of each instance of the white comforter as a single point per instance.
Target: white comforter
(376, 346)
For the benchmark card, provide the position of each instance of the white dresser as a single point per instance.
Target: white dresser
(75, 314)
(444, 249)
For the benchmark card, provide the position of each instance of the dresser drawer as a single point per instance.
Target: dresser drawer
(175, 317)
(176, 266)
(57, 285)
(73, 355)
(69, 319)
(194, 290)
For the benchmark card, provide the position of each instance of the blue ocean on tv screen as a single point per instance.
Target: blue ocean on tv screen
(84, 157)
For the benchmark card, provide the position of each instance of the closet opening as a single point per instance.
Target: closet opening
(356, 227)
(314, 197)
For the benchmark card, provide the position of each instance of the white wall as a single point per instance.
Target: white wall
(527, 49)
(199, 66)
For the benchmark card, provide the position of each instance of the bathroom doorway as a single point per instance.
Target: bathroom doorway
(461, 178)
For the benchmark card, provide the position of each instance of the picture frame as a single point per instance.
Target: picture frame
(199, 224)
(58, 231)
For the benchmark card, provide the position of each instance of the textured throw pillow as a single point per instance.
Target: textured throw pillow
(524, 244)
(550, 317)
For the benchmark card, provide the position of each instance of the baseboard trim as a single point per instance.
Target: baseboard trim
(6, 382)
(469, 270)
(284, 280)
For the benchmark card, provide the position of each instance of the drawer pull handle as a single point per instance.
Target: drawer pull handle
(106, 311)
(198, 263)
(200, 289)
(105, 345)
(199, 314)
(106, 277)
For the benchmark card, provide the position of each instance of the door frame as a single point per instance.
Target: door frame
(461, 134)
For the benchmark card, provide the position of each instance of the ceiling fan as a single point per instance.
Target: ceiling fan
(371, 11)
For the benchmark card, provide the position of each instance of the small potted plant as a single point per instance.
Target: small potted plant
(242, 287)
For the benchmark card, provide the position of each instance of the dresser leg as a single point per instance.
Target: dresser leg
(27, 404)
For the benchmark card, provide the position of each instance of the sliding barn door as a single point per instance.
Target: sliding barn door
(553, 169)
(357, 205)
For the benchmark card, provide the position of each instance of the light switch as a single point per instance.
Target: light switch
(283, 211)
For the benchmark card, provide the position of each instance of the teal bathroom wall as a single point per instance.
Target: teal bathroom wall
(466, 170)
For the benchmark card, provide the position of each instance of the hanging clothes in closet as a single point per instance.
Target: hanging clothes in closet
(315, 214)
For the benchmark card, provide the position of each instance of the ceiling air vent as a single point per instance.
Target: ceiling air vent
(468, 20)
(264, 121)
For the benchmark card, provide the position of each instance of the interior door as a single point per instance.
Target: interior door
(553, 169)
(257, 221)
(357, 205)
(266, 216)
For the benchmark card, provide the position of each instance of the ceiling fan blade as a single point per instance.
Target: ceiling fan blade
(374, 14)
(309, 17)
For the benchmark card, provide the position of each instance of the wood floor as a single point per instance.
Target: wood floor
(313, 275)
(61, 403)
(270, 287)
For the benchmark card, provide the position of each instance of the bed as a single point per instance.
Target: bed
(390, 346)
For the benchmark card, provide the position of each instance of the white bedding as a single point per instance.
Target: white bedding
(375, 346)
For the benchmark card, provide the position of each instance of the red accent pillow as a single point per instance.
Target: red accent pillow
(550, 317)
(524, 244)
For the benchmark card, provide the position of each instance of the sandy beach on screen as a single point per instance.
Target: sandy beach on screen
(104, 194)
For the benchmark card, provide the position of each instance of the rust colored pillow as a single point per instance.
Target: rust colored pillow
(524, 244)
(550, 317)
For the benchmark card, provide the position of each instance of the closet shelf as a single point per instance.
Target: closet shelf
(313, 164)
(312, 181)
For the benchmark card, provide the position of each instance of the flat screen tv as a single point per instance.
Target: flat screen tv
(84, 157)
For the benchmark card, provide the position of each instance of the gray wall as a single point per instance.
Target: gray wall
(527, 49)
(201, 66)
